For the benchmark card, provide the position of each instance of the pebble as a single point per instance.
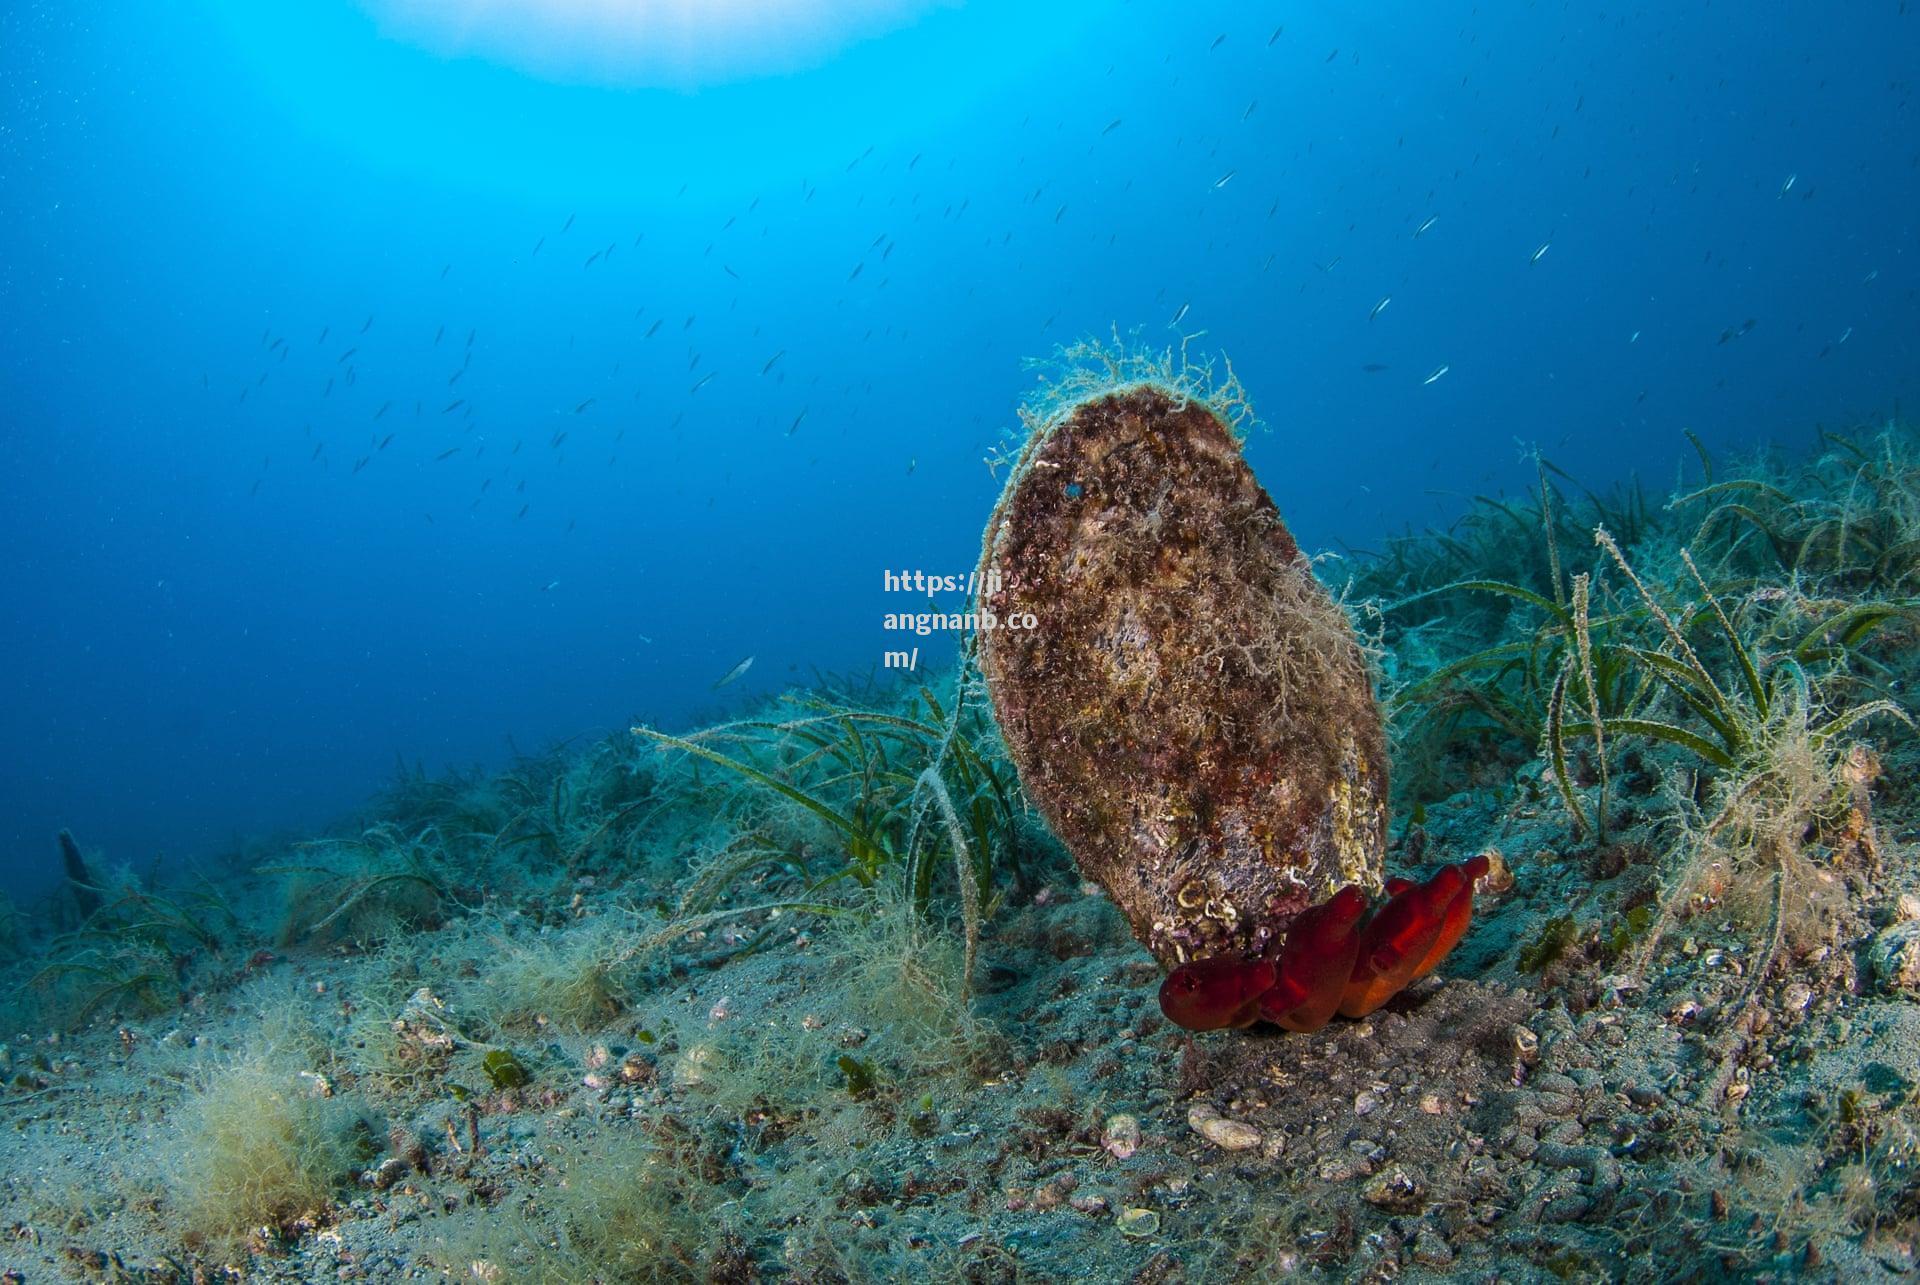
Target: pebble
(1344, 1168)
(1120, 1137)
(1137, 1223)
(390, 1171)
(1430, 1249)
(1399, 1190)
(1229, 1135)
(696, 1064)
(1895, 957)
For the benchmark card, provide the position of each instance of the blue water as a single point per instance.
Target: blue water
(228, 602)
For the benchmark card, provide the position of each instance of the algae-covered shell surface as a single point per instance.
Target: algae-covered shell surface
(1189, 709)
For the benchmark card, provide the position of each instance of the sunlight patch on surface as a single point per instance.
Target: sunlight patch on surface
(677, 43)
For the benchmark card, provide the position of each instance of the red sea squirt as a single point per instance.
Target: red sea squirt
(1331, 961)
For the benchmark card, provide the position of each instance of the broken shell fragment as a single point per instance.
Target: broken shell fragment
(1228, 1135)
(1121, 1136)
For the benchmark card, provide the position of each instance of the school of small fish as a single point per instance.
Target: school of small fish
(396, 394)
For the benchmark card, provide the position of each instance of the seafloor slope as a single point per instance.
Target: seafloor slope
(699, 1009)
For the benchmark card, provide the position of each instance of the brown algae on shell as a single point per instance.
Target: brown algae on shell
(1186, 704)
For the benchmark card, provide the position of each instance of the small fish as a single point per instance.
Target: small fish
(550, 586)
(913, 462)
(654, 328)
(730, 272)
(361, 463)
(447, 454)
(383, 442)
(856, 271)
(367, 324)
(568, 224)
(1380, 307)
(1180, 316)
(522, 513)
(1250, 109)
(1787, 186)
(343, 356)
(1435, 375)
(557, 439)
(536, 250)
(454, 405)
(1634, 338)
(437, 336)
(704, 380)
(1431, 220)
(1224, 179)
(583, 405)
(1544, 247)
(733, 674)
(445, 269)
(1218, 40)
(323, 335)
(384, 406)
(1276, 35)
(1844, 337)
(796, 422)
(1111, 126)
(776, 357)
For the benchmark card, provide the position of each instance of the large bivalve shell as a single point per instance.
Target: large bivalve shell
(1185, 704)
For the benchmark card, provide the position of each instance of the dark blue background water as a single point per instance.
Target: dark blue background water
(214, 625)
